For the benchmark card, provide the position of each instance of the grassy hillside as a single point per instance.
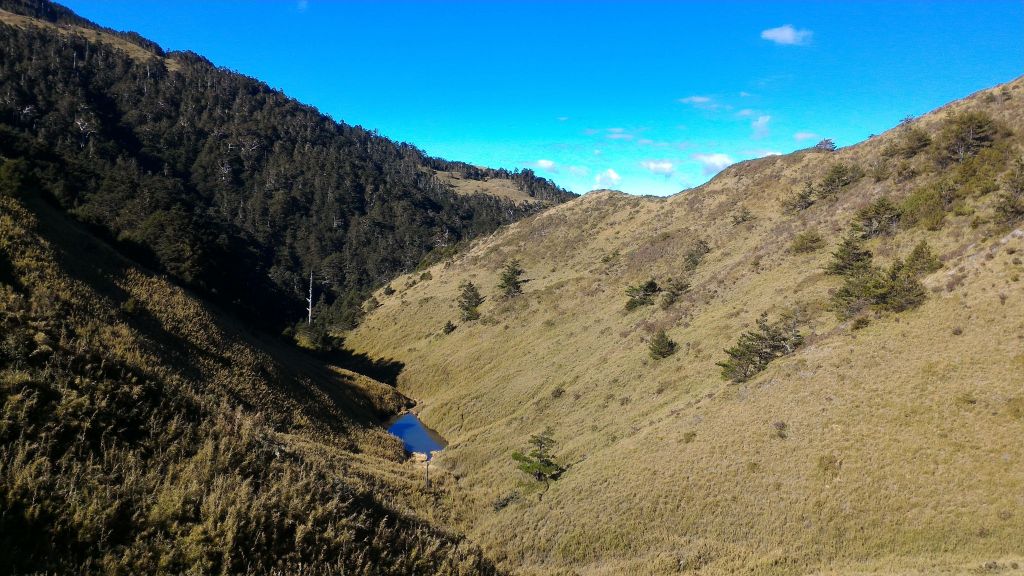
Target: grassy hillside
(144, 432)
(888, 442)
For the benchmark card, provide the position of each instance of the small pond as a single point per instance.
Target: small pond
(415, 435)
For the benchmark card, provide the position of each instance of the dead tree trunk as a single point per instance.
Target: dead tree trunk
(309, 301)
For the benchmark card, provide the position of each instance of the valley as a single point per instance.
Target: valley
(238, 336)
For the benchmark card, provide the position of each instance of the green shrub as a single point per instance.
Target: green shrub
(695, 255)
(641, 294)
(448, 327)
(801, 199)
(924, 208)
(742, 215)
(388, 290)
(757, 348)
(911, 142)
(661, 346)
(426, 275)
(807, 241)
(673, 290)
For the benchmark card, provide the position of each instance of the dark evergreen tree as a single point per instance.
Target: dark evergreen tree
(661, 346)
(850, 258)
(511, 282)
(922, 261)
(756, 348)
(641, 294)
(469, 301)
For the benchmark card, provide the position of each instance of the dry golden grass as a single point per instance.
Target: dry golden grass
(133, 50)
(902, 453)
(491, 187)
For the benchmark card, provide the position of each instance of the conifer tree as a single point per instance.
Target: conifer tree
(661, 346)
(922, 261)
(511, 283)
(850, 258)
(469, 301)
(539, 462)
(756, 348)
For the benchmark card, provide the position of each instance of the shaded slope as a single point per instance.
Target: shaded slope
(889, 447)
(143, 432)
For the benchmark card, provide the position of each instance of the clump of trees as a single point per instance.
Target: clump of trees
(894, 289)
(836, 178)
(539, 463)
(756, 348)
(965, 134)
(511, 282)
(469, 301)
(642, 294)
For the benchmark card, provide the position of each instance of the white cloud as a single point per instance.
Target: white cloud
(787, 35)
(562, 118)
(713, 163)
(761, 153)
(579, 170)
(619, 136)
(696, 100)
(607, 178)
(801, 136)
(760, 126)
(745, 113)
(660, 167)
(702, 102)
(546, 164)
(302, 5)
(745, 94)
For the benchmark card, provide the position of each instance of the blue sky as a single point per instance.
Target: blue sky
(646, 97)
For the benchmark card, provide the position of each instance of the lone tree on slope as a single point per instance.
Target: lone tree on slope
(539, 462)
(511, 283)
(469, 301)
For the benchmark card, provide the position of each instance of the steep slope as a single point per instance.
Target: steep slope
(889, 442)
(220, 181)
(143, 432)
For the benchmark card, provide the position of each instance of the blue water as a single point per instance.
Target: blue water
(415, 436)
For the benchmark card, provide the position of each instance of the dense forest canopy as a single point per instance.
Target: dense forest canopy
(225, 184)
